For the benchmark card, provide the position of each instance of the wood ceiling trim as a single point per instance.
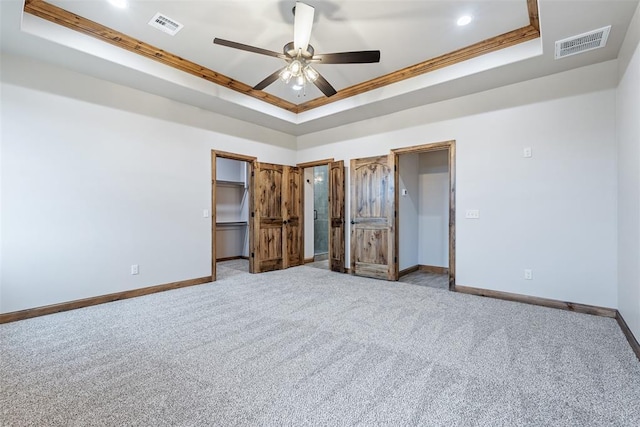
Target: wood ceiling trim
(78, 23)
(512, 38)
(503, 41)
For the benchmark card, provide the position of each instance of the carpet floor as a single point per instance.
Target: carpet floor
(306, 346)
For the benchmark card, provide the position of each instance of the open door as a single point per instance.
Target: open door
(373, 217)
(293, 217)
(336, 216)
(267, 217)
(277, 217)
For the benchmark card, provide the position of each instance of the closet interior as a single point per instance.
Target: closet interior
(423, 223)
(232, 209)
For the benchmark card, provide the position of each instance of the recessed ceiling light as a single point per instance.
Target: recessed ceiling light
(119, 3)
(464, 20)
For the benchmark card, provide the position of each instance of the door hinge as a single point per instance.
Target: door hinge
(252, 255)
(395, 260)
(252, 173)
(395, 214)
(252, 215)
(395, 168)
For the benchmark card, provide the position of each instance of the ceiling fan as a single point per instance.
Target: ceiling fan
(299, 55)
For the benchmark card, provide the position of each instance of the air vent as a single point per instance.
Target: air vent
(582, 43)
(166, 24)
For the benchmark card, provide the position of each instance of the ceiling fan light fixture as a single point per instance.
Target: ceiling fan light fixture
(295, 67)
(299, 83)
(310, 74)
(299, 54)
(286, 75)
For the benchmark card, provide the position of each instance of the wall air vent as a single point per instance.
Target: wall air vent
(163, 23)
(582, 43)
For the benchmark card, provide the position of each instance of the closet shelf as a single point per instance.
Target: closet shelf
(230, 223)
(230, 183)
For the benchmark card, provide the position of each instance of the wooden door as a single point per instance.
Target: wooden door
(373, 217)
(293, 217)
(267, 217)
(336, 216)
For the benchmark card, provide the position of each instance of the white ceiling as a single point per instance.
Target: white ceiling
(406, 33)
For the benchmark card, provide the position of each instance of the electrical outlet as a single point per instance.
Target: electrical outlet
(526, 152)
(135, 269)
(528, 274)
(472, 214)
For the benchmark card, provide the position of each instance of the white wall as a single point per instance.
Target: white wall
(433, 225)
(95, 182)
(408, 229)
(96, 177)
(554, 213)
(628, 131)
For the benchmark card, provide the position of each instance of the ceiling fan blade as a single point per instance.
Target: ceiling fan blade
(359, 57)
(302, 24)
(267, 81)
(326, 88)
(248, 48)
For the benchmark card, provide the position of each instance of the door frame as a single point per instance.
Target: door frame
(425, 148)
(243, 158)
(303, 166)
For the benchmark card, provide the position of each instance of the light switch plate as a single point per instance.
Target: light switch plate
(405, 191)
(472, 214)
(205, 213)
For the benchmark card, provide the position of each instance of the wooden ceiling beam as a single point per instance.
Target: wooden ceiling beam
(482, 48)
(78, 23)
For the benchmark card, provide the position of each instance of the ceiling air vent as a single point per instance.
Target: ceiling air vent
(166, 24)
(582, 43)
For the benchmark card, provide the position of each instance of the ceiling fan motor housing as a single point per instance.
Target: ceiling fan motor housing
(290, 51)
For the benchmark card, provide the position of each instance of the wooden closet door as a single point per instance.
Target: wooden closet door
(293, 217)
(373, 217)
(336, 216)
(267, 217)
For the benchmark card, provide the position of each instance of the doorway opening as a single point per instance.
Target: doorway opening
(324, 214)
(425, 220)
(320, 195)
(231, 203)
